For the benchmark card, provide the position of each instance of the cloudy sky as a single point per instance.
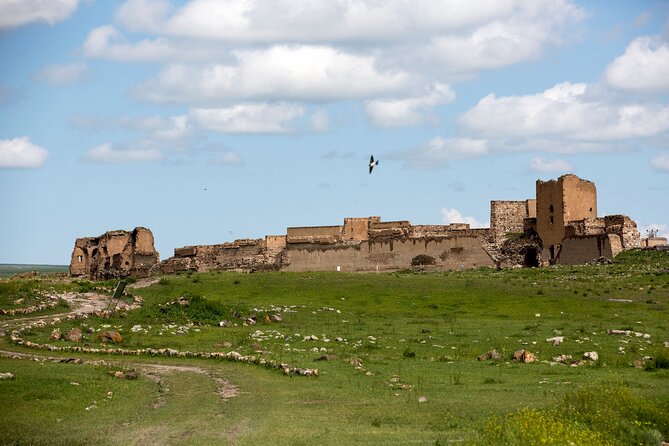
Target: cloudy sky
(211, 120)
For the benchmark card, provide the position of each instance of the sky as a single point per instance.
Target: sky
(208, 121)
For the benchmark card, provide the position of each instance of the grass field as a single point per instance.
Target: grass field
(7, 270)
(399, 360)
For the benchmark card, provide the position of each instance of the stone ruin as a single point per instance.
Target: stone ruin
(114, 254)
(559, 226)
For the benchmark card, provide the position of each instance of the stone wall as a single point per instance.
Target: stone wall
(625, 228)
(314, 234)
(583, 249)
(506, 217)
(115, 254)
(389, 229)
(242, 255)
(448, 253)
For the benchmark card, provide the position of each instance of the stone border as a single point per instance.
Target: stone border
(33, 308)
(233, 356)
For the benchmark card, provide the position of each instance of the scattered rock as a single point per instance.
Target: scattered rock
(356, 362)
(225, 324)
(276, 318)
(666, 344)
(110, 336)
(6, 375)
(490, 355)
(556, 340)
(620, 300)
(593, 356)
(266, 319)
(562, 359)
(74, 335)
(639, 364)
(90, 330)
(56, 334)
(619, 332)
(422, 399)
(524, 356)
(131, 374)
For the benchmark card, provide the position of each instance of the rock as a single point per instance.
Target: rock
(225, 324)
(74, 335)
(593, 356)
(557, 340)
(251, 321)
(426, 330)
(490, 355)
(110, 336)
(666, 344)
(639, 364)
(356, 362)
(90, 330)
(6, 375)
(422, 399)
(619, 332)
(276, 318)
(563, 359)
(56, 334)
(524, 356)
(266, 319)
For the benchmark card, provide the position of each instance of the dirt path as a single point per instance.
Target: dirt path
(82, 303)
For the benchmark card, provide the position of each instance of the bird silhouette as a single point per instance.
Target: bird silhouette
(372, 163)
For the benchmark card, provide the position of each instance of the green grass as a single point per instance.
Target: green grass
(416, 335)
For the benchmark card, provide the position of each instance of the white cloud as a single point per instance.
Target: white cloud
(106, 153)
(320, 121)
(451, 215)
(305, 21)
(642, 68)
(438, 151)
(247, 118)
(20, 152)
(175, 129)
(108, 43)
(542, 165)
(15, 13)
(279, 72)
(566, 113)
(409, 111)
(59, 74)
(661, 162)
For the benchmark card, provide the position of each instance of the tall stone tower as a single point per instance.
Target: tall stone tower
(560, 201)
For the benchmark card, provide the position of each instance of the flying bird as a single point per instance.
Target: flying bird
(372, 163)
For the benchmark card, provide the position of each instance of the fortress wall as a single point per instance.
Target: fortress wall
(626, 228)
(508, 216)
(275, 242)
(314, 234)
(389, 229)
(456, 252)
(357, 228)
(583, 249)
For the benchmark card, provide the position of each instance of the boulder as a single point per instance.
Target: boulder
(524, 356)
(74, 335)
(490, 355)
(593, 356)
(6, 375)
(225, 324)
(56, 334)
(556, 340)
(110, 336)
(276, 318)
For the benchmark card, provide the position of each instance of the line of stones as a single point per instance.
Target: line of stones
(234, 356)
(53, 301)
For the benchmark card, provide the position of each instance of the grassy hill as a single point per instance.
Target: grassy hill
(396, 353)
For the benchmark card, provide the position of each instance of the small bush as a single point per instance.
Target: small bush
(408, 353)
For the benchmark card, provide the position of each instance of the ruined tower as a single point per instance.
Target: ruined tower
(560, 201)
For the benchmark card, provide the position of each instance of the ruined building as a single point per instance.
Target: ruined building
(558, 226)
(115, 254)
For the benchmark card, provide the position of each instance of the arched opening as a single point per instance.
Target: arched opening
(531, 259)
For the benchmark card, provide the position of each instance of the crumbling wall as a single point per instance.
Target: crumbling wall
(506, 217)
(358, 228)
(625, 228)
(314, 234)
(455, 252)
(418, 231)
(584, 249)
(389, 229)
(115, 254)
(244, 254)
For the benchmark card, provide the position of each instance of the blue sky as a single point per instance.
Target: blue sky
(208, 121)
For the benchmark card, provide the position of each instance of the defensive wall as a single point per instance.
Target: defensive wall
(558, 226)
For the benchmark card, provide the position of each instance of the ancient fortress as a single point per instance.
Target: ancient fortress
(559, 226)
